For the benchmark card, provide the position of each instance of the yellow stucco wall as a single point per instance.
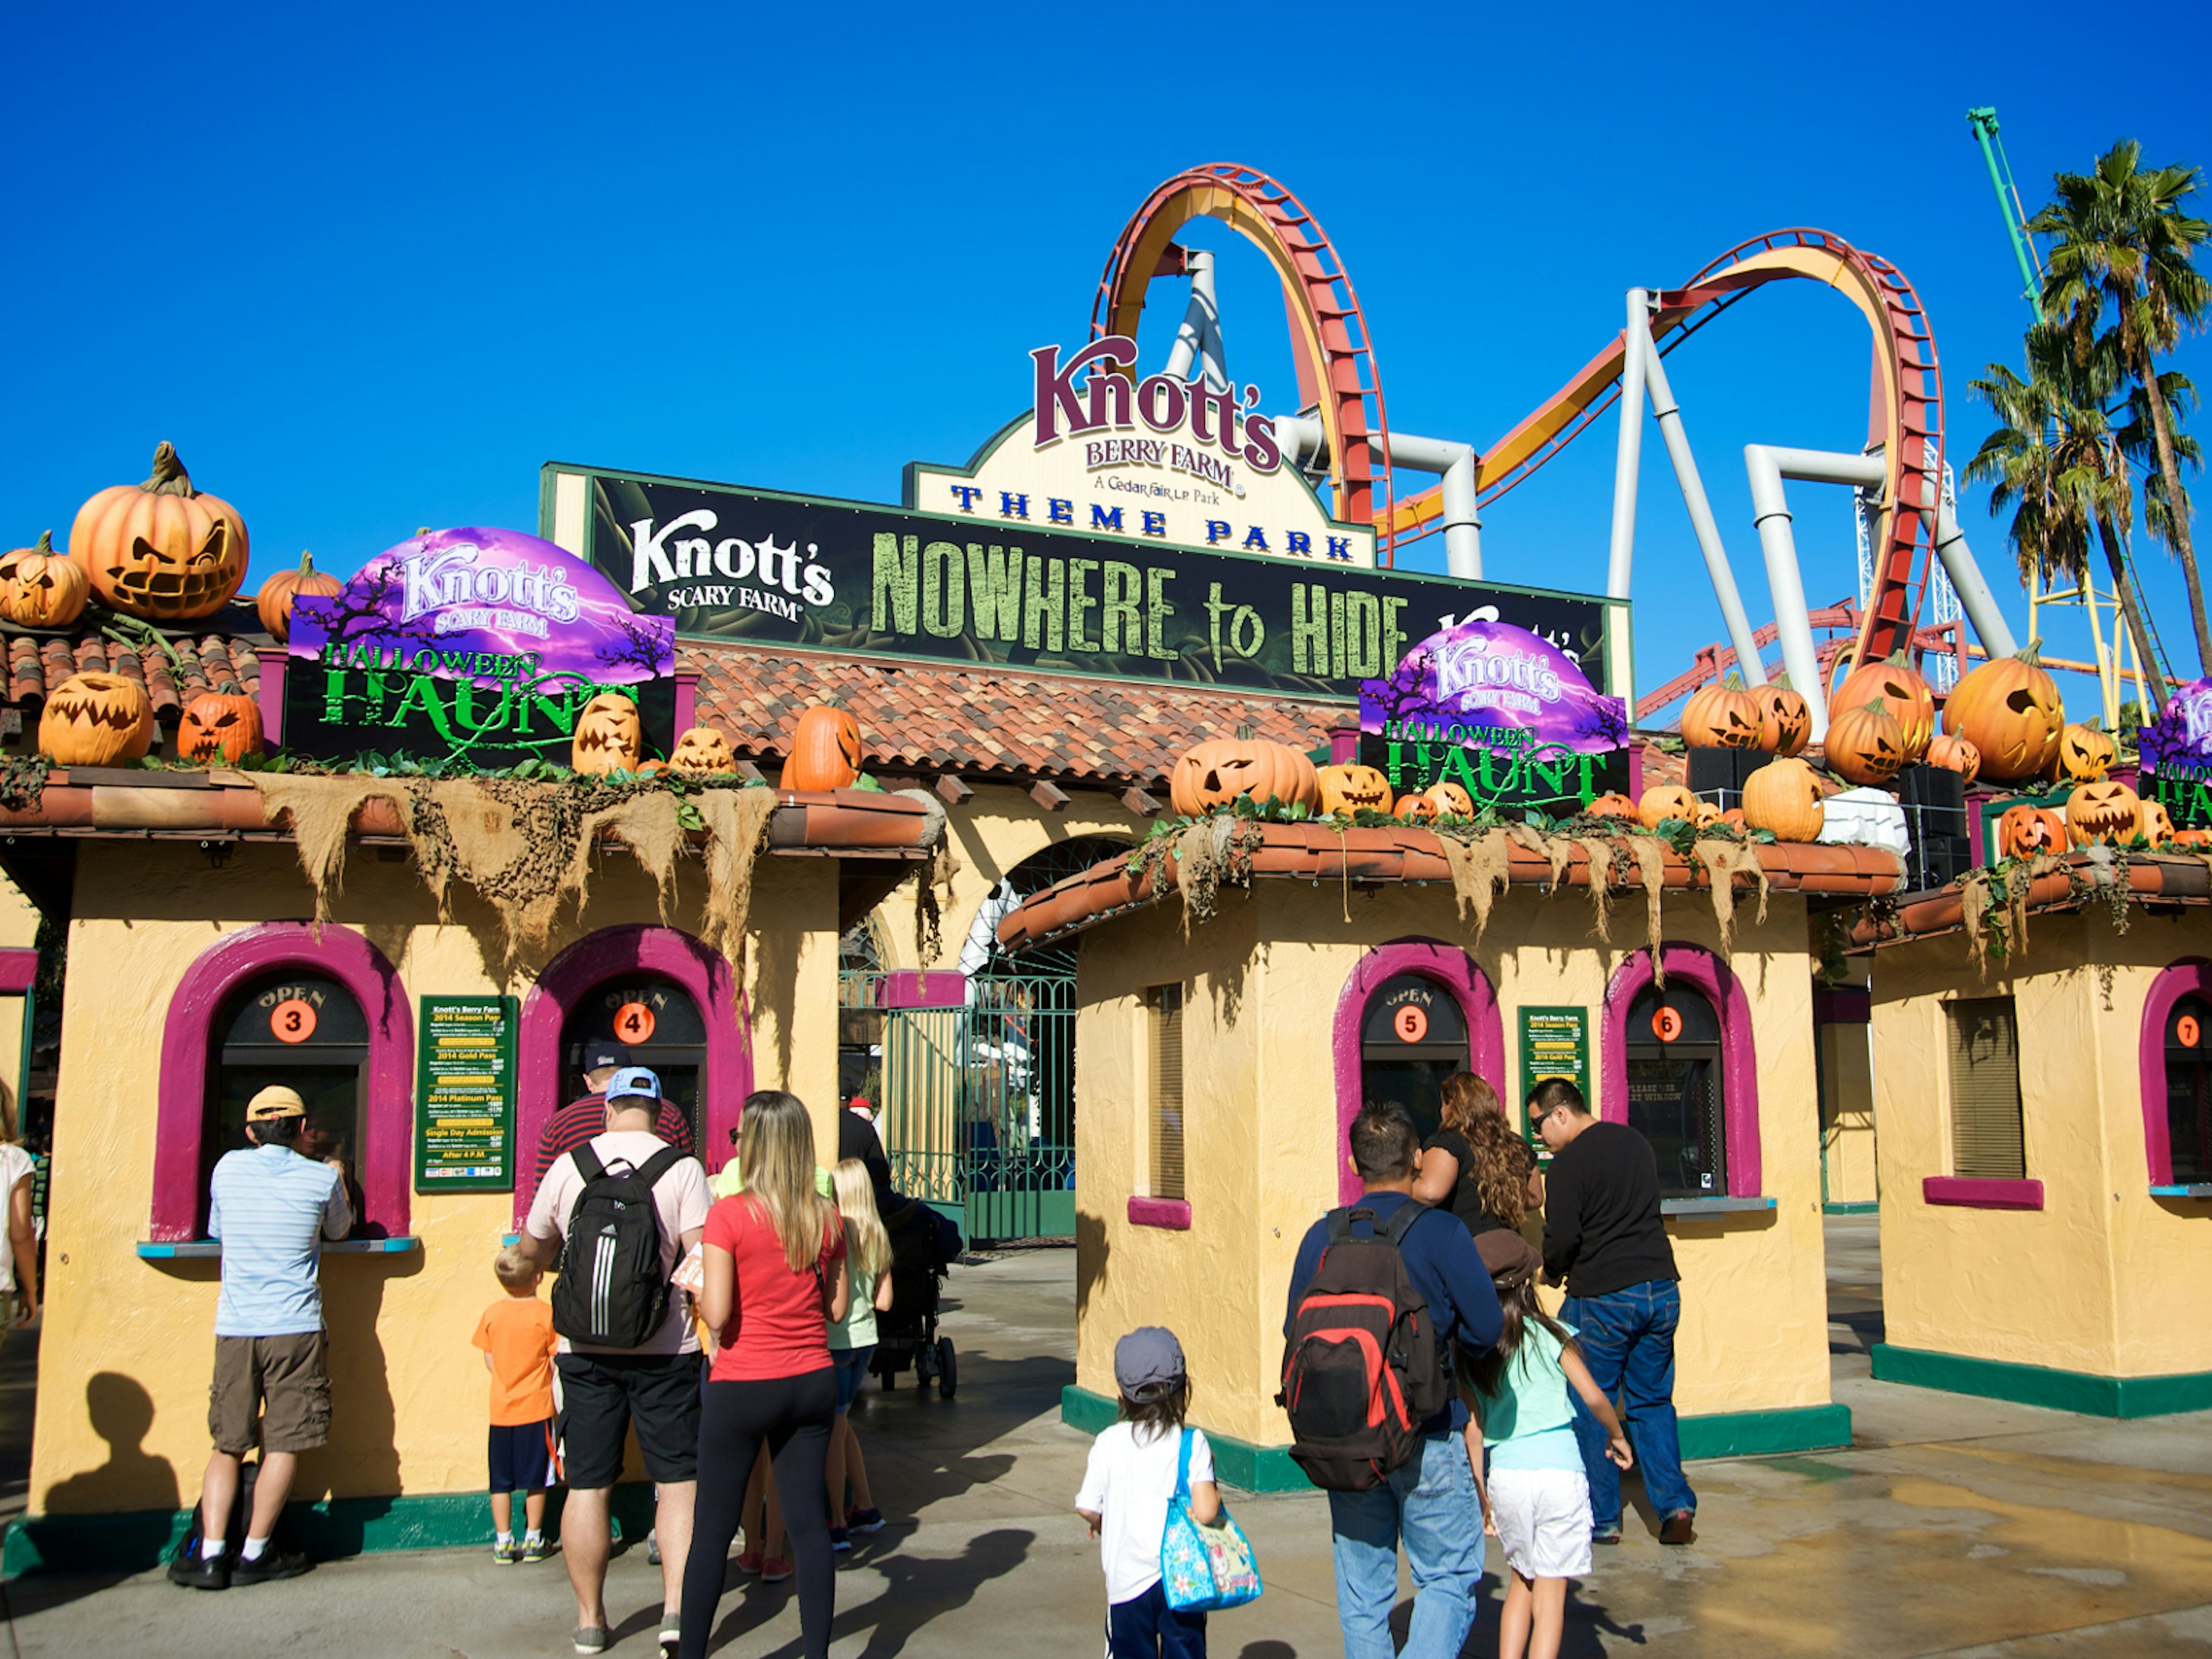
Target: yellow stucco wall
(1262, 1149)
(127, 1343)
(19, 928)
(2104, 1279)
(1847, 1129)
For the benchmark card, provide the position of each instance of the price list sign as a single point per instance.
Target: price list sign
(1554, 1043)
(464, 1095)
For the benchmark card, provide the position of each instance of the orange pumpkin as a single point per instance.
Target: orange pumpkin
(1417, 809)
(1864, 745)
(1451, 801)
(1955, 754)
(222, 724)
(702, 752)
(1613, 806)
(1784, 719)
(273, 604)
(826, 751)
(161, 550)
(609, 736)
(1662, 801)
(2009, 709)
(1719, 716)
(1904, 696)
(1709, 814)
(2195, 839)
(96, 719)
(1352, 789)
(2157, 824)
(2085, 753)
(1213, 773)
(2025, 831)
(41, 588)
(1735, 819)
(1784, 799)
(2105, 810)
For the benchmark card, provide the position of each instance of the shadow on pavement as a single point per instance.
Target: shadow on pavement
(917, 1589)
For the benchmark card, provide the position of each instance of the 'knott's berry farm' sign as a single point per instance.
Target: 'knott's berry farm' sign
(1508, 715)
(759, 569)
(471, 646)
(2176, 754)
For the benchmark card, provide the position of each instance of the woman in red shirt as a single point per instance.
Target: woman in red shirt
(774, 1266)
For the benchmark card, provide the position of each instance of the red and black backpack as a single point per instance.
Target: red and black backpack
(1362, 1369)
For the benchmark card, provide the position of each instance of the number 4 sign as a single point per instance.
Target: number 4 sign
(634, 1022)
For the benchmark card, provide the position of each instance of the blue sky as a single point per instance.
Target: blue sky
(368, 270)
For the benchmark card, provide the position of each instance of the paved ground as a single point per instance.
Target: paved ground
(1952, 1527)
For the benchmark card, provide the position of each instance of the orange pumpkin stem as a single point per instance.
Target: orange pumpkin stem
(169, 477)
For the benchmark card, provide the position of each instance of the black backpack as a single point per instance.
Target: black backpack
(1362, 1369)
(613, 1289)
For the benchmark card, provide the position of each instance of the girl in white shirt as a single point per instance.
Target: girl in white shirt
(1126, 1486)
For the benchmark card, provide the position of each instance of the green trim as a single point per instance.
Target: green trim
(1724, 1434)
(137, 1540)
(1854, 1206)
(2045, 1385)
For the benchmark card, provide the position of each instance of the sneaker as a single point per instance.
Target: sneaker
(539, 1550)
(198, 1572)
(672, 1634)
(272, 1563)
(774, 1569)
(840, 1538)
(750, 1561)
(1605, 1535)
(506, 1554)
(1679, 1527)
(589, 1639)
(864, 1520)
(653, 1547)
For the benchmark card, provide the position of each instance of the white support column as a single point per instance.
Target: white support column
(1628, 461)
(1974, 595)
(1767, 467)
(1199, 339)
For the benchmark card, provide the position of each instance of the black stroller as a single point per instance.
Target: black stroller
(923, 1243)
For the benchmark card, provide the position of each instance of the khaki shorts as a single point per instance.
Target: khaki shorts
(270, 1391)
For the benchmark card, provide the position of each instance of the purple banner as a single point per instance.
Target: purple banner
(1491, 685)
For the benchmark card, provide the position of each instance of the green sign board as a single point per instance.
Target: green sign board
(464, 1095)
(1554, 1043)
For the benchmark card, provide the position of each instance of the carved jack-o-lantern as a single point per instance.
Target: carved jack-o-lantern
(2085, 753)
(1709, 813)
(1215, 773)
(1784, 799)
(1784, 719)
(1613, 806)
(1417, 809)
(2010, 710)
(701, 751)
(1720, 717)
(41, 588)
(1955, 754)
(224, 724)
(608, 738)
(1904, 696)
(2157, 824)
(2025, 831)
(96, 719)
(1662, 801)
(1864, 745)
(1352, 789)
(161, 550)
(1451, 801)
(2105, 810)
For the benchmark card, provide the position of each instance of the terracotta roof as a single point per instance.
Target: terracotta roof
(2068, 881)
(984, 721)
(38, 662)
(1306, 852)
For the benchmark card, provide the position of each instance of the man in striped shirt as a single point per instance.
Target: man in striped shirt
(586, 1116)
(271, 1207)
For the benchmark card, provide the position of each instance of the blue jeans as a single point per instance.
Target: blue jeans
(1430, 1503)
(1627, 1340)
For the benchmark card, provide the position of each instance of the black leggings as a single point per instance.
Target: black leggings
(793, 1415)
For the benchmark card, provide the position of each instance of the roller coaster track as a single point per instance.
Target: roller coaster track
(1910, 430)
(1336, 369)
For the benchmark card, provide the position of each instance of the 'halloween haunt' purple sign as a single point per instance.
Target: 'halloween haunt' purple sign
(1500, 712)
(473, 645)
(2176, 752)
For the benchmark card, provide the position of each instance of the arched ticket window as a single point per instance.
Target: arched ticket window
(1676, 1100)
(306, 1031)
(2175, 1064)
(1413, 1036)
(658, 1022)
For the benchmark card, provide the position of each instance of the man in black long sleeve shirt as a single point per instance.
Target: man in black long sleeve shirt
(1604, 1236)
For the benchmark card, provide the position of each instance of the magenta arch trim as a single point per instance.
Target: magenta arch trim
(1449, 967)
(2174, 981)
(1696, 966)
(180, 1113)
(634, 948)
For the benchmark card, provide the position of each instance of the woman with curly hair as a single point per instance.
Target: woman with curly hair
(1474, 1164)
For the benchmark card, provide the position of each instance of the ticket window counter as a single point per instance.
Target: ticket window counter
(1673, 1040)
(659, 1022)
(1412, 1036)
(308, 1033)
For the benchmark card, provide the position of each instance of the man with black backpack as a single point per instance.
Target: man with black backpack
(629, 1206)
(1380, 1293)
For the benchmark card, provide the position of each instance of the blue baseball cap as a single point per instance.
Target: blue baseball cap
(633, 1080)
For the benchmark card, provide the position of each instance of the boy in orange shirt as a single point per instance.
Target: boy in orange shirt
(516, 1335)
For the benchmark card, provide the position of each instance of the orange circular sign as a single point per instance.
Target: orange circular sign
(293, 1020)
(634, 1022)
(2189, 1030)
(1667, 1024)
(1411, 1024)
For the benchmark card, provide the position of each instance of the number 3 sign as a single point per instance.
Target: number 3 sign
(293, 1020)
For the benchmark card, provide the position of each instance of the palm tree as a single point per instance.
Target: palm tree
(2138, 442)
(2055, 460)
(2122, 239)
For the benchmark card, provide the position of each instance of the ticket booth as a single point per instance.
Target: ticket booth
(1413, 1036)
(306, 1031)
(657, 1021)
(1673, 1039)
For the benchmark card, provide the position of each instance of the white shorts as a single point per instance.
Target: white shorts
(1543, 1521)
